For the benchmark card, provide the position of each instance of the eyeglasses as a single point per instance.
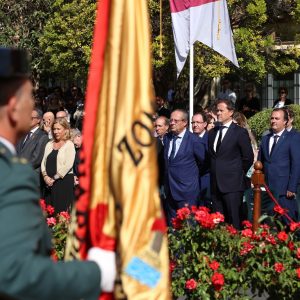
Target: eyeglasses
(196, 122)
(282, 92)
(175, 121)
(32, 118)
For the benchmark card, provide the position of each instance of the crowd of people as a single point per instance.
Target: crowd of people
(212, 165)
(52, 144)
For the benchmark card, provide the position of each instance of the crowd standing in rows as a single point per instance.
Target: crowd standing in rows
(214, 169)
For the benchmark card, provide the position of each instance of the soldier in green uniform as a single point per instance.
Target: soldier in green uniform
(26, 270)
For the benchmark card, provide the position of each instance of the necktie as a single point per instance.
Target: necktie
(219, 141)
(274, 143)
(27, 138)
(172, 155)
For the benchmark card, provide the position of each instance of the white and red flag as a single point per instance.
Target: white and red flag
(206, 21)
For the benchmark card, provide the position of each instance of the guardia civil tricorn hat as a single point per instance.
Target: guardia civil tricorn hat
(14, 63)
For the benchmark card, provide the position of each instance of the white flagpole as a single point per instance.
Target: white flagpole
(191, 105)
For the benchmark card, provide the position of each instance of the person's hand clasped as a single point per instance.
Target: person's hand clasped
(49, 181)
(290, 195)
(106, 261)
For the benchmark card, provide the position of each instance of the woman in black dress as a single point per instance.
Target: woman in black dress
(57, 167)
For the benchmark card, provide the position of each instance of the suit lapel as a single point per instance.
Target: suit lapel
(266, 146)
(279, 142)
(182, 145)
(211, 140)
(228, 136)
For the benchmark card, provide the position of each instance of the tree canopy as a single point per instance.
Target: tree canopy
(67, 38)
(58, 34)
(255, 25)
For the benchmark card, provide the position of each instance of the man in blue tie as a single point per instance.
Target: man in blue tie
(280, 156)
(184, 153)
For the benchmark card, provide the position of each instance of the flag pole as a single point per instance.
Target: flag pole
(191, 104)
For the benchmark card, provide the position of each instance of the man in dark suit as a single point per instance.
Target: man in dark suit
(280, 156)
(32, 145)
(199, 124)
(231, 156)
(26, 270)
(184, 153)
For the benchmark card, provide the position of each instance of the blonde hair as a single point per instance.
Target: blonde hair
(64, 123)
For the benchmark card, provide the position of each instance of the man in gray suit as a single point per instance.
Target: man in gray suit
(32, 146)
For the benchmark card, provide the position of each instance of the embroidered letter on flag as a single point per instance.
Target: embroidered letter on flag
(206, 21)
(119, 206)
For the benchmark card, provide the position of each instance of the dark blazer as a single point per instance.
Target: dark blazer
(182, 173)
(228, 167)
(282, 169)
(204, 170)
(287, 102)
(26, 270)
(33, 149)
(160, 161)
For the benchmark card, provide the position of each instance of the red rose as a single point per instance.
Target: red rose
(218, 281)
(194, 208)
(191, 284)
(183, 213)
(247, 233)
(291, 246)
(176, 223)
(279, 210)
(43, 205)
(264, 226)
(247, 247)
(172, 266)
(65, 215)
(282, 236)
(50, 209)
(270, 238)
(204, 208)
(204, 218)
(231, 229)
(278, 267)
(247, 224)
(298, 273)
(298, 253)
(217, 218)
(214, 265)
(294, 226)
(51, 221)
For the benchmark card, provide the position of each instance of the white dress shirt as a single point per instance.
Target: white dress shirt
(224, 131)
(178, 143)
(271, 141)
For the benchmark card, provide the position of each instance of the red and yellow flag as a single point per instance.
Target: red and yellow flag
(119, 207)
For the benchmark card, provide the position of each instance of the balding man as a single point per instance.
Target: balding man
(48, 120)
(184, 153)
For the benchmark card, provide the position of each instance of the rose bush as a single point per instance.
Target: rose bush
(58, 225)
(212, 260)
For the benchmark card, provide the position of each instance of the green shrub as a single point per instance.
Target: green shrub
(260, 122)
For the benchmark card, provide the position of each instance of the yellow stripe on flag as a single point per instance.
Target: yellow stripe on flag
(124, 170)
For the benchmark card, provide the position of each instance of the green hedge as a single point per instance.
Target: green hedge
(260, 122)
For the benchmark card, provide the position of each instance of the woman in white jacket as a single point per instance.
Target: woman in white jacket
(57, 167)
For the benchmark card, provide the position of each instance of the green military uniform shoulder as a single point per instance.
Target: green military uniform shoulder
(4, 153)
(19, 160)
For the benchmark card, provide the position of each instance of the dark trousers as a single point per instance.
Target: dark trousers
(230, 205)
